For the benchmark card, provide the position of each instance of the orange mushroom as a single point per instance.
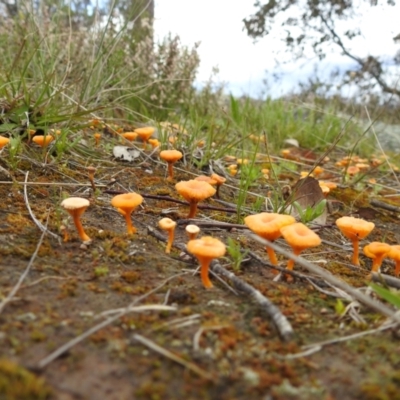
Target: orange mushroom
(220, 181)
(125, 204)
(377, 251)
(145, 133)
(355, 229)
(131, 136)
(154, 143)
(268, 226)
(192, 231)
(168, 225)
(394, 254)
(97, 137)
(171, 157)
(76, 206)
(205, 250)
(91, 170)
(193, 192)
(43, 141)
(299, 237)
(3, 141)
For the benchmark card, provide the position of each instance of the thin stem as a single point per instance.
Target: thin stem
(170, 171)
(131, 229)
(272, 255)
(192, 210)
(79, 228)
(204, 265)
(296, 252)
(171, 236)
(355, 259)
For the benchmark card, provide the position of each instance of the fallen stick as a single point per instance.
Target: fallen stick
(329, 277)
(281, 323)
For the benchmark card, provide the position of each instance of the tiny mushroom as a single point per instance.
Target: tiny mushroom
(167, 224)
(355, 229)
(268, 226)
(145, 133)
(220, 181)
(131, 136)
(299, 237)
(377, 251)
(76, 206)
(192, 231)
(125, 203)
(394, 254)
(205, 250)
(193, 192)
(3, 141)
(43, 141)
(171, 157)
(97, 137)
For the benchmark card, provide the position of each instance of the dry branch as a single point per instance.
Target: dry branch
(329, 277)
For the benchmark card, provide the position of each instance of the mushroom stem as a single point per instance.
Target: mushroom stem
(204, 265)
(377, 262)
(356, 251)
(192, 209)
(296, 252)
(131, 229)
(171, 235)
(79, 227)
(170, 171)
(272, 256)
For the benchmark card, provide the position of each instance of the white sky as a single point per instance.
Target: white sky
(218, 25)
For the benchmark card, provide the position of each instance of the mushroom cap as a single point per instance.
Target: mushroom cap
(300, 236)
(354, 228)
(220, 179)
(75, 203)
(171, 156)
(376, 249)
(43, 141)
(394, 252)
(166, 224)
(3, 141)
(192, 229)
(194, 191)
(131, 136)
(127, 202)
(268, 225)
(145, 132)
(206, 247)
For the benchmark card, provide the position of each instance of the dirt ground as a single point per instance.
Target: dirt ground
(226, 346)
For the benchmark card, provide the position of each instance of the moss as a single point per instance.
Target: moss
(17, 383)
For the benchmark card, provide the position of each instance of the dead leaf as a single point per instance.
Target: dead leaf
(307, 193)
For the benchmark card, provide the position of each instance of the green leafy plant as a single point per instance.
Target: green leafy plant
(386, 294)
(310, 213)
(236, 253)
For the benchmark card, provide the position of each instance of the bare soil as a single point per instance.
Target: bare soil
(236, 349)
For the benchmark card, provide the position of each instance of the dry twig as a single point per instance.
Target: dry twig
(329, 277)
(35, 220)
(24, 275)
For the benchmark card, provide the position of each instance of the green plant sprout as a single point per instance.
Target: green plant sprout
(234, 251)
(310, 213)
(386, 294)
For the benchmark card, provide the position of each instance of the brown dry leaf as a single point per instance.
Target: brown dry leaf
(307, 193)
